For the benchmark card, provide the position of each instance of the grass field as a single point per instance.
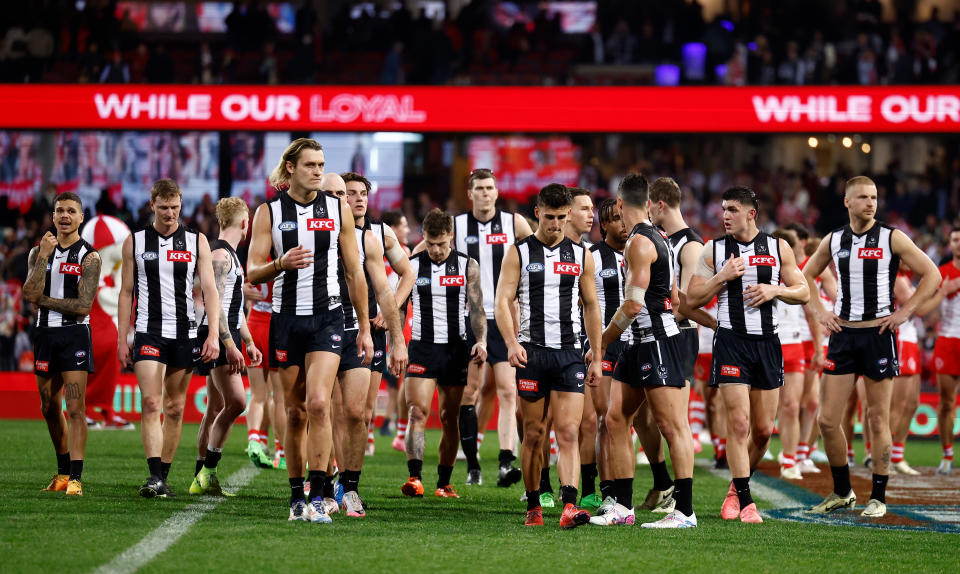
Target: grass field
(481, 532)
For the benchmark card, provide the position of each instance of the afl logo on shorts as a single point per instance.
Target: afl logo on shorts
(281, 355)
(646, 367)
(287, 225)
(70, 269)
(80, 354)
(149, 256)
(605, 273)
(378, 354)
(528, 385)
(471, 239)
(579, 375)
(42, 366)
(535, 267)
(423, 281)
(416, 369)
(729, 371)
(883, 362)
(148, 351)
(335, 338)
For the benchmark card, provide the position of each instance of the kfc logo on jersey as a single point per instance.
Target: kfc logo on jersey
(561, 268)
(43, 366)
(179, 256)
(497, 239)
(870, 253)
(416, 369)
(763, 261)
(729, 371)
(148, 351)
(528, 385)
(453, 280)
(315, 224)
(70, 269)
(281, 355)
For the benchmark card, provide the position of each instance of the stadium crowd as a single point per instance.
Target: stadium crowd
(768, 42)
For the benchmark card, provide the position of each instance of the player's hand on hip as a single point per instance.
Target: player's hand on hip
(365, 348)
(830, 322)
(478, 354)
(297, 258)
(893, 321)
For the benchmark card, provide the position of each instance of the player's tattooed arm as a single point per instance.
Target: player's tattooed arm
(86, 290)
(33, 288)
(221, 267)
(478, 318)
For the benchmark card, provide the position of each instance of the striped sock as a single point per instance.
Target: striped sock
(721, 448)
(553, 442)
(850, 452)
(401, 429)
(803, 452)
(370, 440)
(948, 453)
(896, 455)
(789, 461)
(479, 439)
(253, 435)
(264, 438)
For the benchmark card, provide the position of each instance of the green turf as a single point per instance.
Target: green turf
(481, 532)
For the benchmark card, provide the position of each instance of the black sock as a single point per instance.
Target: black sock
(165, 469)
(328, 489)
(841, 479)
(196, 470)
(153, 463)
(661, 476)
(683, 495)
(545, 480)
(606, 489)
(568, 494)
(879, 491)
(468, 435)
(443, 475)
(316, 478)
(63, 463)
(76, 469)
(506, 457)
(415, 468)
(623, 491)
(296, 490)
(213, 457)
(350, 479)
(533, 499)
(742, 486)
(588, 478)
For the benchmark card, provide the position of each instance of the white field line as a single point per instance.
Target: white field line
(771, 495)
(172, 529)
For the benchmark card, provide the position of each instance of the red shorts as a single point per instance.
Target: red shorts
(260, 331)
(794, 358)
(701, 370)
(909, 358)
(946, 356)
(808, 352)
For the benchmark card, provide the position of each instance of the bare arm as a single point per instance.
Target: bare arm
(86, 290)
(638, 255)
(478, 319)
(506, 297)
(706, 281)
(828, 282)
(793, 289)
(259, 269)
(125, 300)
(592, 319)
(400, 264)
(352, 270)
(521, 229)
(36, 277)
(381, 287)
(930, 278)
(221, 264)
(689, 254)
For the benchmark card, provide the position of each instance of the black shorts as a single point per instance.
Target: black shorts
(348, 357)
(392, 382)
(379, 363)
(690, 343)
(293, 336)
(655, 364)
(445, 362)
(496, 347)
(62, 349)
(221, 360)
(747, 359)
(181, 354)
(550, 370)
(610, 358)
(863, 351)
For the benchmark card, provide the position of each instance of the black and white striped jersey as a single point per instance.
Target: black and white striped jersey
(315, 226)
(375, 228)
(64, 270)
(231, 304)
(439, 296)
(485, 242)
(609, 275)
(163, 282)
(762, 259)
(349, 314)
(678, 241)
(549, 293)
(866, 272)
(656, 316)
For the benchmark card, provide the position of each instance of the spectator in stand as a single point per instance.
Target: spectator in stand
(116, 71)
(159, 69)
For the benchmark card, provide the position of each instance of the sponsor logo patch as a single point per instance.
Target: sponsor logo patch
(561, 268)
(179, 256)
(763, 261)
(336, 338)
(668, 304)
(281, 355)
(497, 239)
(423, 281)
(528, 385)
(471, 239)
(80, 354)
(378, 354)
(70, 269)
(149, 351)
(149, 256)
(605, 273)
(870, 253)
(287, 225)
(535, 267)
(42, 366)
(646, 367)
(883, 362)
(453, 280)
(317, 224)
(416, 369)
(843, 253)
(606, 365)
(829, 365)
(729, 371)
(579, 375)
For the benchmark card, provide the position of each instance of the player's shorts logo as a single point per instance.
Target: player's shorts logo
(579, 375)
(528, 385)
(829, 365)
(497, 239)
(729, 371)
(378, 354)
(646, 367)
(149, 351)
(606, 273)
(70, 269)
(281, 355)
(43, 366)
(883, 362)
(287, 225)
(535, 267)
(315, 224)
(606, 365)
(870, 253)
(149, 256)
(562, 268)
(416, 369)
(81, 354)
(179, 256)
(335, 338)
(453, 280)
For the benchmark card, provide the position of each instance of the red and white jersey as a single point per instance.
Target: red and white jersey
(950, 307)
(793, 323)
(706, 333)
(908, 332)
(261, 310)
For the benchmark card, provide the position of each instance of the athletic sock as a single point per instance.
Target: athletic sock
(213, 457)
(803, 451)
(328, 489)
(402, 428)
(479, 439)
(533, 499)
(896, 453)
(879, 491)
(253, 436)
(153, 463)
(506, 457)
(721, 448)
(568, 495)
(165, 469)
(196, 470)
(350, 479)
(468, 435)
(415, 468)
(742, 486)
(588, 478)
(683, 495)
(443, 475)
(316, 478)
(623, 491)
(606, 489)
(63, 463)
(296, 490)
(841, 479)
(789, 461)
(277, 447)
(76, 469)
(661, 476)
(264, 437)
(545, 480)
(948, 453)
(553, 444)
(370, 439)
(851, 453)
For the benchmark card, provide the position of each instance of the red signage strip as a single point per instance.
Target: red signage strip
(483, 109)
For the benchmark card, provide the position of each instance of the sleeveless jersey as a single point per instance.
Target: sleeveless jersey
(439, 296)
(486, 243)
(549, 293)
(762, 258)
(609, 274)
(231, 305)
(950, 307)
(261, 310)
(163, 282)
(315, 226)
(349, 314)
(678, 241)
(657, 313)
(375, 228)
(64, 269)
(866, 271)
(705, 333)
